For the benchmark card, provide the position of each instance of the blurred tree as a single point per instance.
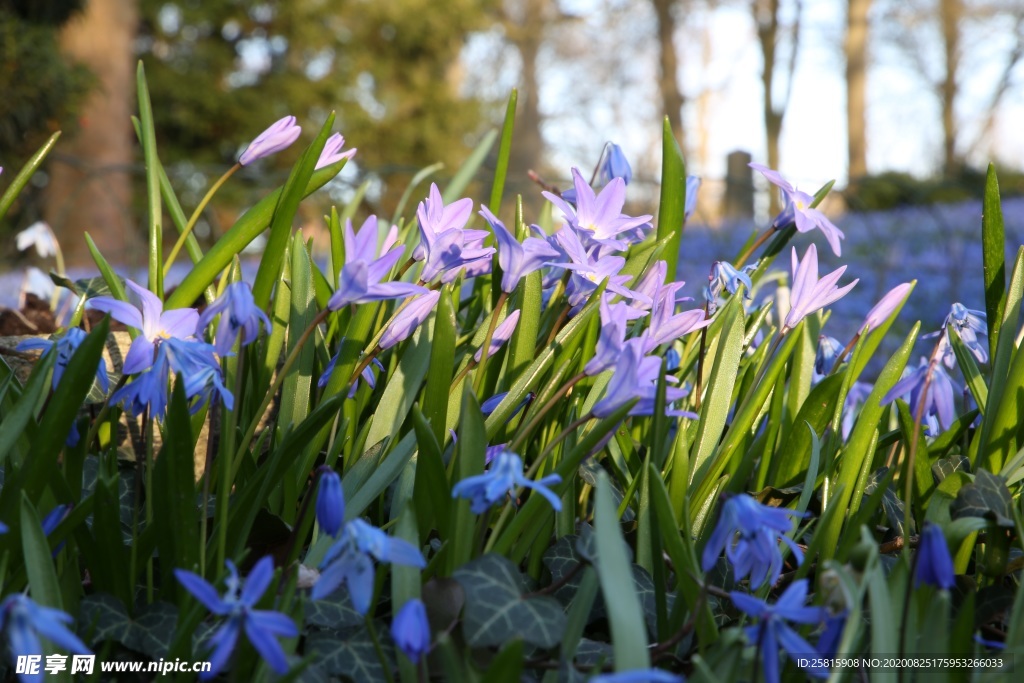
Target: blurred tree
(668, 73)
(855, 49)
(222, 70)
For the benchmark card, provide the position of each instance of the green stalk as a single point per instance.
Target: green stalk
(195, 217)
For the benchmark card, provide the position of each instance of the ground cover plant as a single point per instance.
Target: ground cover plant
(478, 445)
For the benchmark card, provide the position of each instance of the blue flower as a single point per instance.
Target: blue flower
(410, 318)
(749, 533)
(725, 278)
(368, 374)
(488, 406)
(828, 641)
(348, 561)
(261, 627)
(411, 630)
(238, 315)
(330, 501)
(829, 349)
(24, 621)
(939, 400)
(615, 165)
(969, 324)
(772, 631)
(66, 347)
(934, 564)
(504, 475)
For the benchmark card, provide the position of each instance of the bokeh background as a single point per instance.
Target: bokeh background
(903, 102)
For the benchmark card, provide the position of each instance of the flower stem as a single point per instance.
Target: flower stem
(700, 362)
(195, 217)
(226, 474)
(761, 239)
(486, 348)
(844, 352)
(524, 432)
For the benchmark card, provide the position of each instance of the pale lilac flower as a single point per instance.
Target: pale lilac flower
(261, 627)
(798, 210)
(725, 277)
(692, 188)
(348, 561)
(411, 631)
(772, 632)
(749, 533)
(502, 333)
(588, 272)
(361, 278)
(665, 324)
(151, 319)
(271, 141)
(503, 476)
(239, 315)
(610, 339)
(24, 622)
(411, 317)
(649, 284)
(446, 247)
(885, 306)
(939, 401)
(934, 563)
(40, 236)
(809, 293)
(517, 260)
(599, 217)
(332, 153)
(969, 324)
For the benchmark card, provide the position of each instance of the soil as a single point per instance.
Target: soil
(36, 318)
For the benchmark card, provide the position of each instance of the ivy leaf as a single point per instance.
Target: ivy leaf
(891, 503)
(153, 629)
(104, 617)
(333, 612)
(987, 497)
(943, 467)
(497, 611)
(347, 654)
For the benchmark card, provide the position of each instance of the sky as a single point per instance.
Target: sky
(904, 131)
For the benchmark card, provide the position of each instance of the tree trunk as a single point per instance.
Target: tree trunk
(855, 50)
(668, 82)
(90, 178)
(525, 29)
(950, 14)
(766, 14)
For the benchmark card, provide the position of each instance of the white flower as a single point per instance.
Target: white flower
(40, 236)
(37, 282)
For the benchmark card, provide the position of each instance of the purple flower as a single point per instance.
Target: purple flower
(151, 319)
(749, 533)
(348, 561)
(66, 346)
(588, 272)
(610, 339)
(665, 324)
(969, 324)
(798, 210)
(615, 166)
(517, 260)
(934, 564)
(724, 277)
(368, 374)
(411, 631)
(261, 627)
(502, 333)
(411, 317)
(636, 377)
(239, 314)
(332, 153)
(692, 188)
(503, 476)
(809, 293)
(829, 349)
(24, 622)
(446, 247)
(330, 502)
(360, 280)
(885, 306)
(772, 631)
(857, 394)
(488, 406)
(598, 217)
(939, 401)
(271, 141)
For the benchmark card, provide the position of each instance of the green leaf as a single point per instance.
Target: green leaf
(19, 420)
(629, 634)
(284, 215)
(442, 364)
(469, 462)
(504, 151)
(105, 618)
(987, 497)
(42, 577)
(993, 244)
(353, 655)
(815, 413)
(404, 385)
(155, 208)
(460, 181)
(25, 174)
(718, 399)
(965, 361)
(333, 612)
(432, 495)
(381, 479)
(497, 610)
(175, 496)
(672, 207)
